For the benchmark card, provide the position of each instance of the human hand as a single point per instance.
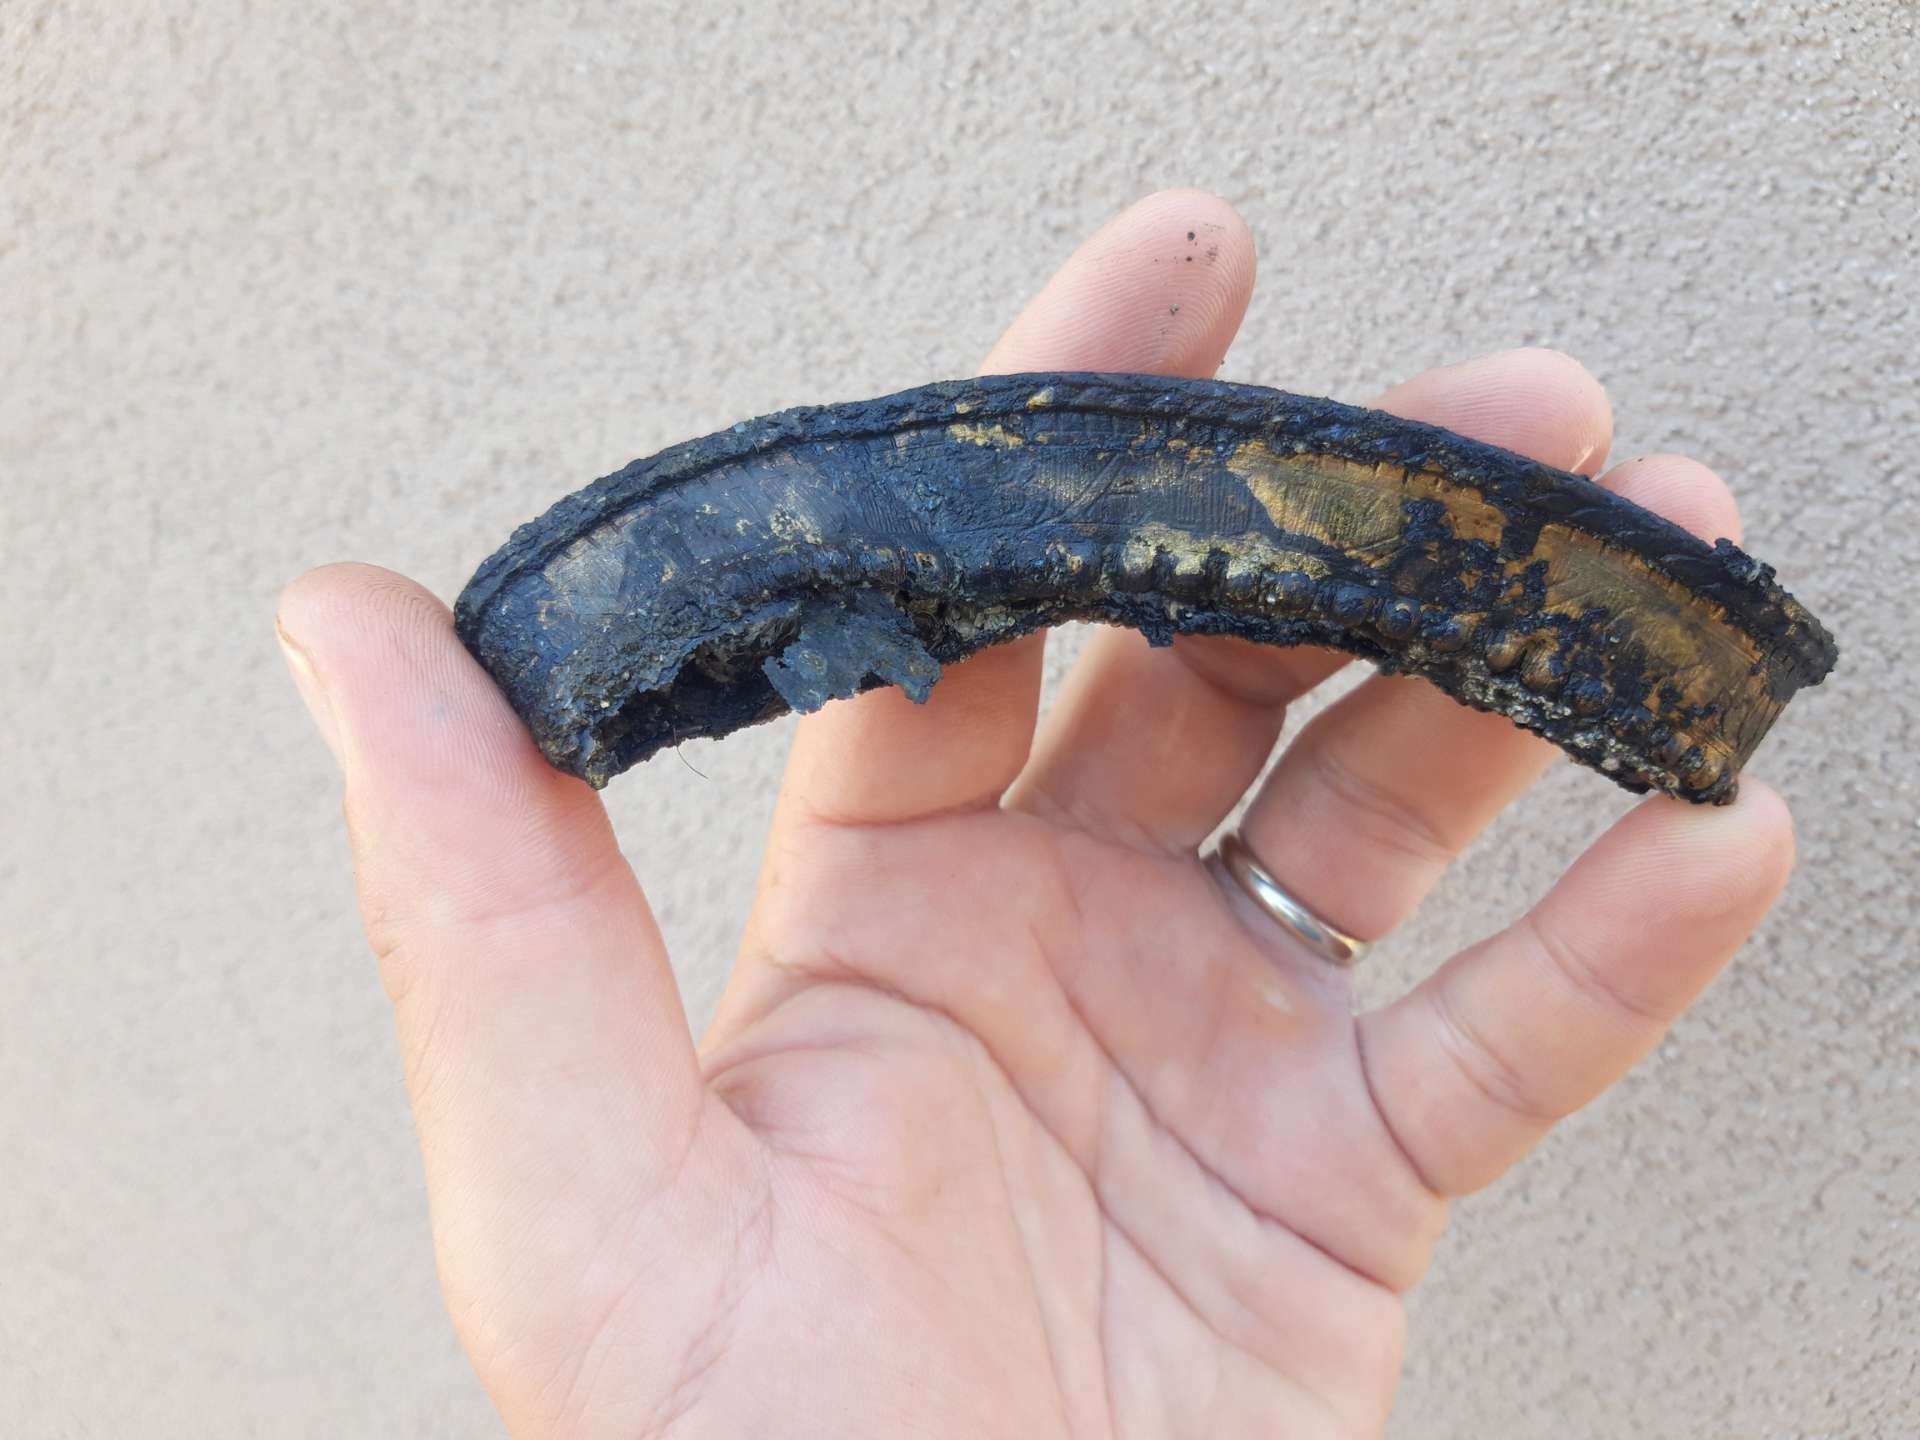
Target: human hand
(1013, 1120)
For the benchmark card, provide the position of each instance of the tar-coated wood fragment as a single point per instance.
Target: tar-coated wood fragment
(815, 553)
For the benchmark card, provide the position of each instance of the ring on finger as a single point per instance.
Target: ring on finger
(1256, 882)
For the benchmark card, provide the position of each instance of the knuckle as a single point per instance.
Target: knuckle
(1574, 967)
(1494, 1076)
(1383, 816)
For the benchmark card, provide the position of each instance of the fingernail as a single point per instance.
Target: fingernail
(306, 679)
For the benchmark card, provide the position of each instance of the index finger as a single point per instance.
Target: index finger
(1159, 289)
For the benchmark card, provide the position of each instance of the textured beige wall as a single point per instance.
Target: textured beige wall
(288, 283)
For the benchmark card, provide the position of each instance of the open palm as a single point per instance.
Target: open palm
(1014, 1119)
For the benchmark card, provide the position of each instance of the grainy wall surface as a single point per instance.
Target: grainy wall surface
(287, 283)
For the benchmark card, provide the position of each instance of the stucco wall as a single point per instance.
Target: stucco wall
(282, 284)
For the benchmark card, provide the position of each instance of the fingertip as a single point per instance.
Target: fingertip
(1567, 397)
(412, 711)
(1159, 289)
(1680, 489)
(1765, 842)
(1749, 830)
(1540, 402)
(332, 611)
(1701, 862)
(1195, 230)
(320, 590)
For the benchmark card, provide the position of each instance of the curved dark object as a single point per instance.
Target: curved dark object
(818, 552)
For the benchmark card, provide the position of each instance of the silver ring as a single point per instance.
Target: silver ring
(1336, 947)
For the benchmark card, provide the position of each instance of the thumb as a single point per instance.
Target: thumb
(546, 1051)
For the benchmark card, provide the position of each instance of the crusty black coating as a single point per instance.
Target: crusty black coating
(822, 551)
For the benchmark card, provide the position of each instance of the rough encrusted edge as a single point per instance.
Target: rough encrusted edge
(1721, 573)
